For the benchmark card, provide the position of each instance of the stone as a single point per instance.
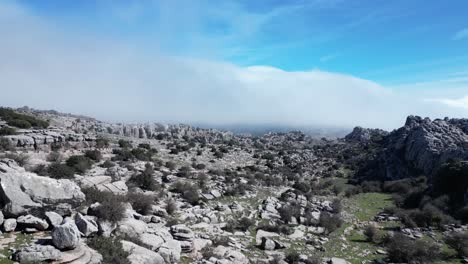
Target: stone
(54, 219)
(86, 225)
(338, 261)
(32, 221)
(82, 254)
(232, 256)
(268, 244)
(170, 251)
(66, 236)
(25, 192)
(261, 234)
(9, 225)
(2, 218)
(37, 253)
(131, 228)
(141, 255)
(181, 232)
(151, 241)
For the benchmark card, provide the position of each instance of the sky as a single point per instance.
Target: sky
(298, 62)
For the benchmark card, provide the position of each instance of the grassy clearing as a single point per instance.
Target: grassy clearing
(366, 206)
(17, 240)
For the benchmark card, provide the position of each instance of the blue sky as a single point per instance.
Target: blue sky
(409, 52)
(391, 42)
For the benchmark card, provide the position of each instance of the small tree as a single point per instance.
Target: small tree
(370, 232)
(459, 242)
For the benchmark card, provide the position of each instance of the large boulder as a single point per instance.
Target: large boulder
(229, 255)
(141, 255)
(23, 192)
(30, 221)
(54, 219)
(9, 225)
(37, 253)
(131, 228)
(66, 236)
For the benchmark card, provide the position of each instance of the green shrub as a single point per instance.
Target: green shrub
(330, 222)
(5, 131)
(54, 156)
(93, 154)
(60, 171)
(188, 191)
(171, 206)
(111, 210)
(21, 159)
(80, 163)
(141, 203)
(21, 120)
(459, 242)
(402, 249)
(107, 164)
(370, 232)
(144, 146)
(5, 144)
(125, 143)
(102, 142)
(145, 180)
(110, 248)
(122, 154)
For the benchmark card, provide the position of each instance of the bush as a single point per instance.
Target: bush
(102, 143)
(111, 210)
(292, 257)
(289, 211)
(60, 171)
(370, 232)
(125, 144)
(93, 154)
(21, 159)
(122, 154)
(330, 222)
(144, 146)
(19, 123)
(145, 180)
(110, 248)
(54, 156)
(5, 144)
(80, 163)
(184, 172)
(171, 206)
(21, 120)
(188, 191)
(141, 203)
(107, 164)
(93, 195)
(170, 165)
(459, 242)
(402, 249)
(245, 223)
(5, 131)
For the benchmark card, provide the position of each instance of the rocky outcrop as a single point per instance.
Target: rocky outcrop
(141, 255)
(365, 135)
(420, 147)
(23, 192)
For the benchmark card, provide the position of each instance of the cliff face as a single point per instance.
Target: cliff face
(420, 147)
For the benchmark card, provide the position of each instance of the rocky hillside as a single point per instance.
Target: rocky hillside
(83, 191)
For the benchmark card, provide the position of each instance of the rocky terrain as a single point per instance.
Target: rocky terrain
(78, 190)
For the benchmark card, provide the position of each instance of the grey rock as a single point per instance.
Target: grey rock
(32, 221)
(2, 218)
(268, 244)
(54, 219)
(131, 227)
(9, 225)
(66, 236)
(141, 255)
(37, 253)
(26, 192)
(86, 225)
(170, 251)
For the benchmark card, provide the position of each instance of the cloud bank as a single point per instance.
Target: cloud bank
(44, 67)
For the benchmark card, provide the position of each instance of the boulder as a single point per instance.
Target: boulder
(86, 225)
(54, 219)
(141, 255)
(9, 225)
(2, 218)
(151, 241)
(268, 244)
(170, 251)
(32, 221)
(229, 255)
(338, 261)
(131, 228)
(37, 253)
(24, 192)
(66, 236)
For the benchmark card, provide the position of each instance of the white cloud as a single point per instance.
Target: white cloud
(461, 34)
(44, 67)
(457, 103)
